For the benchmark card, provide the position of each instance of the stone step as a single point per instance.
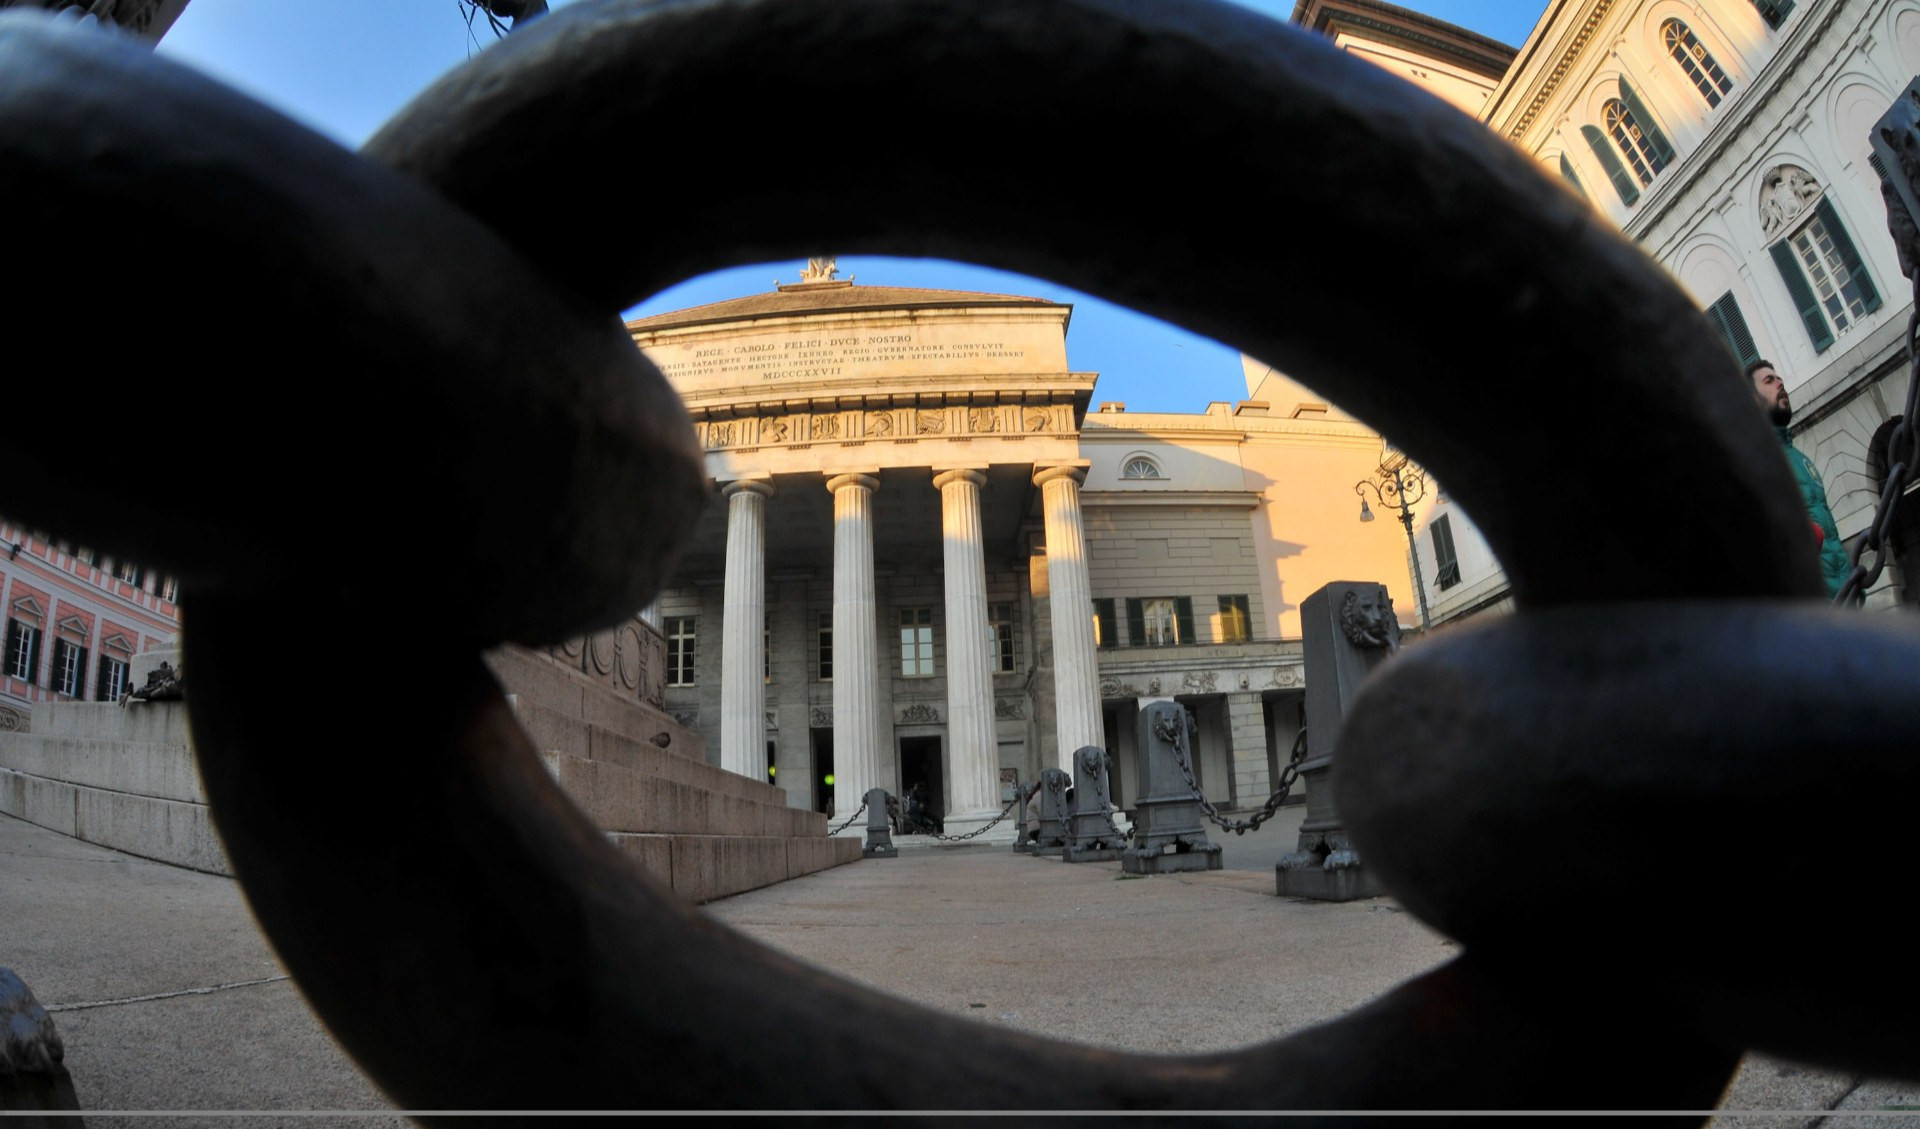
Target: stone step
(534, 682)
(162, 722)
(168, 831)
(621, 798)
(701, 868)
(553, 732)
(163, 770)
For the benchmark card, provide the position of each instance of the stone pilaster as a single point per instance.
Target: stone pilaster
(743, 687)
(1075, 663)
(972, 749)
(856, 645)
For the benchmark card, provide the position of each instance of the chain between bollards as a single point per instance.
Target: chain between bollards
(927, 828)
(1182, 757)
(850, 819)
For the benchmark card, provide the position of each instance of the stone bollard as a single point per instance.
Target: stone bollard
(1091, 835)
(1348, 628)
(1168, 832)
(33, 1077)
(879, 833)
(1023, 831)
(1054, 812)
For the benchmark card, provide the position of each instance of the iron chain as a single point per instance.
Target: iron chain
(1182, 757)
(927, 828)
(850, 819)
(1903, 456)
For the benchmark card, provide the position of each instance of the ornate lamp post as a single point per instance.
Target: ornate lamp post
(1397, 485)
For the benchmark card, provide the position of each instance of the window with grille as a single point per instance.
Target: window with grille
(1698, 63)
(69, 668)
(916, 642)
(23, 650)
(1104, 634)
(682, 642)
(112, 681)
(1140, 466)
(823, 646)
(1000, 630)
(1825, 276)
(1775, 12)
(1160, 621)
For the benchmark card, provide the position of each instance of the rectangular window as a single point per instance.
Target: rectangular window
(1160, 621)
(23, 650)
(1834, 287)
(1000, 628)
(1236, 624)
(1775, 12)
(128, 571)
(1104, 634)
(682, 639)
(916, 642)
(1444, 558)
(766, 653)
(69, 668)
(823, 646)
(112, 681)
(1825, 277)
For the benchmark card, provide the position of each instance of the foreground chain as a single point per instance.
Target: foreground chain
(1588, 792)
(923, 827)
(1903, 460)
(1183, 760)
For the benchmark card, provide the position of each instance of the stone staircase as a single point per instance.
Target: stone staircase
(122, 777)
(644, 779)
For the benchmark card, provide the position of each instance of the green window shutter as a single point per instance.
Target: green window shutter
(1136, 623)
(1732, 326)
(1802, 294)
(1183, 618)
(1616, 172)
(1843, 243)
(1567, 174)
(1103, 618)
(1662, 152)
(1775, 12)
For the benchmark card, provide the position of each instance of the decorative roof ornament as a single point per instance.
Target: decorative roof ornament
(820, 270)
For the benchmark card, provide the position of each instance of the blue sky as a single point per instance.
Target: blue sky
(345, 66)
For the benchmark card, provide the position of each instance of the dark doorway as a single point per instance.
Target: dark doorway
(822, 741)
(920, 770)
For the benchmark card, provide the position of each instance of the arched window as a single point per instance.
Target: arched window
(1633, 131)
(1603, 152)
(1696, 60)
(1140, 466)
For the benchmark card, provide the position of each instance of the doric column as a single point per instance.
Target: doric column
(1075, 664)
(856, 651)
(743, 687)
(973, 754)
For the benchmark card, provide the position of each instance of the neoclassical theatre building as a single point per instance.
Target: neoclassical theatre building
(933, 561)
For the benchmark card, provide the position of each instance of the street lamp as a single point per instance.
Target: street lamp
(1397, 486)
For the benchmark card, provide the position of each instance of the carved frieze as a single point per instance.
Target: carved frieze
(821, 717)
(1009, 709)
(1785, 192)
(930, 423)
(919, 713)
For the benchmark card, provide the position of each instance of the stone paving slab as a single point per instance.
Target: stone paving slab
(169, 998)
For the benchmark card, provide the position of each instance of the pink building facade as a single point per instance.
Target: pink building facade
(75, 619)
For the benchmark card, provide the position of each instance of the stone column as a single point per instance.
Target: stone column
(1075, 664)
(743, 687)
(973, 754)
(856, 650)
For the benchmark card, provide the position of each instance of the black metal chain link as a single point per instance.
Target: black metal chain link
(850, 819)
(1903, 458)
(927, 829)
(1182, 757)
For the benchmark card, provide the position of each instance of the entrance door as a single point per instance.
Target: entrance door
(921, 776)
(822, 742)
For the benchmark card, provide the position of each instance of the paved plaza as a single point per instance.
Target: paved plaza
(168, 998)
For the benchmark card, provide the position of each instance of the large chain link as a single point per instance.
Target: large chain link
(850, 819)
(927, 829)
(1903, 458)
(1183, 757)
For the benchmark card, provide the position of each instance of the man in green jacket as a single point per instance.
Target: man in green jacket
(1834, 563)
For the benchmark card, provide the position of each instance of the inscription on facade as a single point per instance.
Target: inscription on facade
(826, 356)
